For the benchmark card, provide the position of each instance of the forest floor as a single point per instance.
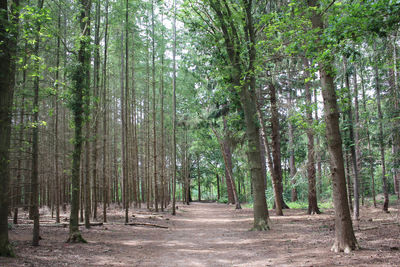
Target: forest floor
(209, 234)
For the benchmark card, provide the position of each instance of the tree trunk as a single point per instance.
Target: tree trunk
(276, 151)
(312, 186)
(380, 138)
(198, 178)
(96, 86)
(57, 188)
(6, 99)
(292, 163)
(370, 157)
(105, 162)
(35, 142)
(354, 158)
(228, 166)
(174, 115)
(79, 91)
(344, 234)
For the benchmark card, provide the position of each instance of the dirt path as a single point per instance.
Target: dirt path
(210, 234)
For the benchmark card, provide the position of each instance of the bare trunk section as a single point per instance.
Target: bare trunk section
(312, 185)
(380, 138)
(354, 158)
(104, 80)
(35, 141)
(154, 110)
(174, 115)
(276, 151)
(228, 164)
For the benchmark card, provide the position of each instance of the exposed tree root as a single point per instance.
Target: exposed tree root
(7, 251)
(147, 224)
(76, 237)
(261, 226)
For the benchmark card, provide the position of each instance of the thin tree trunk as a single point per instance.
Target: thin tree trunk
(162, 167)
(276, 151)
(57, 189)
(380, 138)
(354, 157)
(370, 157)
(105, 162)
(292, 163)
(35, 143)
(174, 115)
(154, 110)
(96, 86)
(312, 186)
(198, 178)
(228, 165)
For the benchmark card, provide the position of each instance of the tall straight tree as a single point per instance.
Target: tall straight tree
(35, 139)
(124, 99)
(7, 52)
(174, 115)
(153, 69)
(79, 91)
(344, 235)
(385, 207)
(104, 81)
(312, 186)
(96, 86)
(356, 204)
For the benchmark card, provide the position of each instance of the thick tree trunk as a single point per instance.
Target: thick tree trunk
(6, 100)
(80, 90)
(344, 234)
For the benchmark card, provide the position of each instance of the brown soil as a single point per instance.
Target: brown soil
(210, 234)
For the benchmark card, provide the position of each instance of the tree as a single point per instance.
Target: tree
(79, 92)
(7, 53)
(35, 138)
(312, 186)
(174, 114)
(344, 235)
